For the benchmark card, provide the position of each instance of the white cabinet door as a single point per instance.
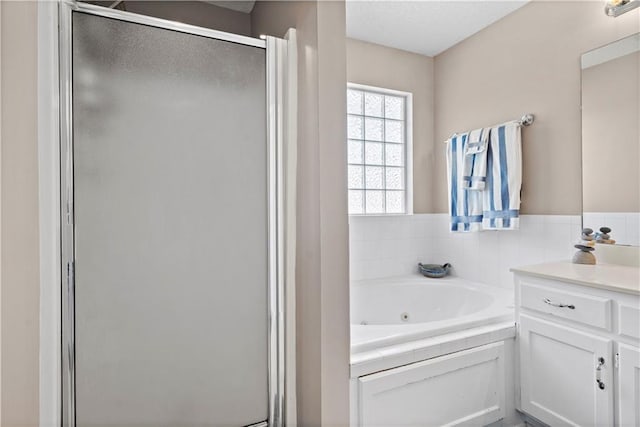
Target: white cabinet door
(629, 386)
(559, 373)
(465, 388)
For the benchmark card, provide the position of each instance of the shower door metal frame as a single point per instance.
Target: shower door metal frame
(276, 60)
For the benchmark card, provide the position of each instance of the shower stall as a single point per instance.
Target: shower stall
(172, 165)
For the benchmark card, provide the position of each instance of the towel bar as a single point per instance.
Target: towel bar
(526, 120)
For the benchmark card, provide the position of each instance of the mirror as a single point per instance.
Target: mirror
(611, 139)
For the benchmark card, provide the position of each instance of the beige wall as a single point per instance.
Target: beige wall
(385, 67)
(322, 276)
(528, 62)
(611, 135)
(19, 262)
(190, 12)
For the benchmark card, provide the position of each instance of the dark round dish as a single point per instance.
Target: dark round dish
(434, 271)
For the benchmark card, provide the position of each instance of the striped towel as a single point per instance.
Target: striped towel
(501, 197)
(474, 165)
(465, 207)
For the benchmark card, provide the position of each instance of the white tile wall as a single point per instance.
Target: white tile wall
(625, 226)
(383, 246)
(393, 245)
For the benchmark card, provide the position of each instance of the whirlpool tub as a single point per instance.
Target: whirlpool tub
(390, 311)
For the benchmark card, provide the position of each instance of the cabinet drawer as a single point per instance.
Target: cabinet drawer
(587, 309)
(629, 321)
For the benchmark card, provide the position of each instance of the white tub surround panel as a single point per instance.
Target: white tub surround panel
(392, 246)
(416, 342)
(428, 392)
(579, 343)
(443, 363)
(369, 361)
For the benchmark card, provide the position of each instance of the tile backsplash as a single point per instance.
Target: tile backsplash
(385, 246)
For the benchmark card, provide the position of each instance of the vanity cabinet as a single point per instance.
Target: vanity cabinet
(560, 369)
(578, 346)
(629, 385)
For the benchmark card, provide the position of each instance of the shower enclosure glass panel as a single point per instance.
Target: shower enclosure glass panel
(170, 225)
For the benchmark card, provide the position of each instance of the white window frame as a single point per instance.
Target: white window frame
(408, 143)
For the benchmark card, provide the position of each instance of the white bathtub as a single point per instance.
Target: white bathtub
(390, 311)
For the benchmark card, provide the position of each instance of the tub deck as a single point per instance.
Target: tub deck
(418, 292)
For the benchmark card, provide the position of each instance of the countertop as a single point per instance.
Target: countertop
(612, 277)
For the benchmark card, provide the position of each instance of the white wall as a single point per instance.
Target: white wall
(386, 246)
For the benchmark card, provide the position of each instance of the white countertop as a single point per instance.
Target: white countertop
(618, 278)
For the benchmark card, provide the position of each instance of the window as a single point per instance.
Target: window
(379, 150)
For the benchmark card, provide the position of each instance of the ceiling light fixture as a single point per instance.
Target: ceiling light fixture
(615, 8)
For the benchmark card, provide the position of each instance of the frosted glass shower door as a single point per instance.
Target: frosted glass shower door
(170, 194)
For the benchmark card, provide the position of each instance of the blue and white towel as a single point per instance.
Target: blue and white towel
(474, 164)
(465, 207)
(497, 206)
(501, 197)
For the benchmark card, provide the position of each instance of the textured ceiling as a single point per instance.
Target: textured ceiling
(426, 27)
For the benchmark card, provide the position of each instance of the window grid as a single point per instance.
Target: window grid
(366, 142)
